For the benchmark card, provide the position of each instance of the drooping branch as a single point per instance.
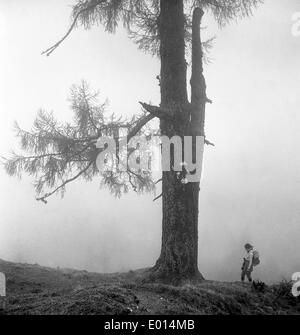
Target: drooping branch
(92, 6)
(226, 11)
(141, 17)
(55, 149)
(47, 195)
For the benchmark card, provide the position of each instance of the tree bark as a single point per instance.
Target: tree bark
(179, 251)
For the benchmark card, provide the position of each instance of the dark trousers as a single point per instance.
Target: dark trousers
(246, 272)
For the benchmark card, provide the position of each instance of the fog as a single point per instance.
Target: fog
(250, 188)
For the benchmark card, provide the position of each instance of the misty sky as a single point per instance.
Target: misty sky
(251, 183)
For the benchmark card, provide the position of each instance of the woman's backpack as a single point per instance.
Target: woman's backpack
(255, 259)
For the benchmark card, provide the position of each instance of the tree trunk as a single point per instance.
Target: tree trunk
(179, 252)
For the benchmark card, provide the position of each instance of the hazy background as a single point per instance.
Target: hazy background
(251, 183)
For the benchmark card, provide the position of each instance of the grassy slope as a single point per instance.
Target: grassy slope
(32, 289)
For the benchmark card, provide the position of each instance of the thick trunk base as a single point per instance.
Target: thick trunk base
(160, 274)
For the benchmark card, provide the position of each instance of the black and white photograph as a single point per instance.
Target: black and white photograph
(149, 160)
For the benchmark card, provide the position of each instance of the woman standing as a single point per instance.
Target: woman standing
(247, 266)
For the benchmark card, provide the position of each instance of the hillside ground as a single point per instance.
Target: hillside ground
(32, 289)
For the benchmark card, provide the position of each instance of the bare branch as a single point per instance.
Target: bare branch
(49, 51)
(159, 180)
(157, 111)
(207, 142)
(157, 197)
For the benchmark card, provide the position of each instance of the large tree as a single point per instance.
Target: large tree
(61, 153)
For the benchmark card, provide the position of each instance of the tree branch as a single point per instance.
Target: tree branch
(134, 187)
(40, 156)
(49, 51)
(157, 197)
(157, 111)
(158, 181)
(139, 125)
(47, 195)
(207, 142)
(88, 109)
